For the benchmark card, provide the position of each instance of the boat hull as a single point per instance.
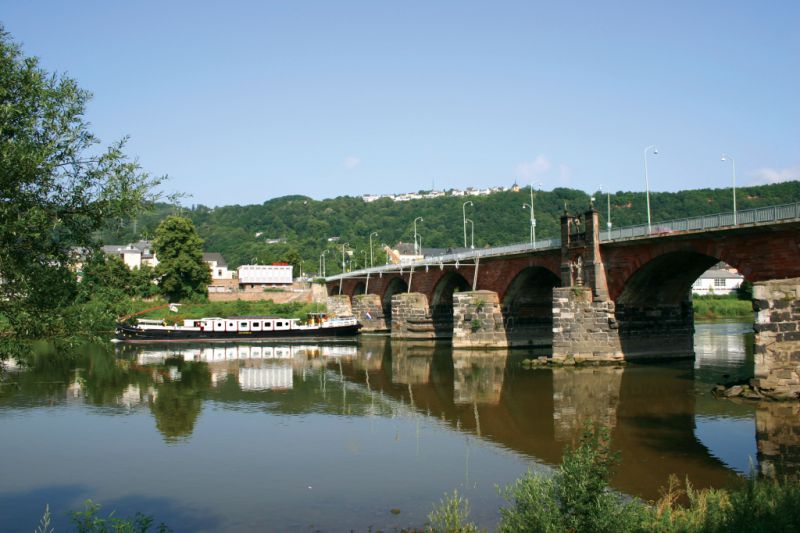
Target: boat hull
(128, 333)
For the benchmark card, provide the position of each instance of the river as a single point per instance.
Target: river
(363, 437)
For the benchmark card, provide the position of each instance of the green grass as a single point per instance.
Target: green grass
(721, 307)
(228, 309)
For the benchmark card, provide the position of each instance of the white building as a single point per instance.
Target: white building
(719, 279)
(134, 255)
(254, 275)
(218, 265)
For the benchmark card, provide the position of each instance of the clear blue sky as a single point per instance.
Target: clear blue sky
(239, 102)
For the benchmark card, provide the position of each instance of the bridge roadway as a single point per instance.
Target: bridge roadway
(590, 294)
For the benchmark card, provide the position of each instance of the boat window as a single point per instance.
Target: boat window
(242, 324)
(266, 324)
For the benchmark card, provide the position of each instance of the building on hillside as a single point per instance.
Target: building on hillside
(719, 279)
(259, 277)
(134, 255)
(218, 265)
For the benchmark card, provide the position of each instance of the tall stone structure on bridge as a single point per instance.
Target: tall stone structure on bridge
(777, 342)
(584, 324)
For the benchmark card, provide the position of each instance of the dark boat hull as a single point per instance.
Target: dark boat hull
(127, 333)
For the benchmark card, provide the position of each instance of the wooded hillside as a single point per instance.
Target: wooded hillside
(304, 225)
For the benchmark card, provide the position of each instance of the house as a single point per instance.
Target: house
(218, 265)
(259, 277)
(719, 279)
(134, 255)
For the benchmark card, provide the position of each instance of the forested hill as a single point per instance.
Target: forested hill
(304, 225)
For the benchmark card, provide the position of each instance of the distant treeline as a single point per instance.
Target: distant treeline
(304, 226)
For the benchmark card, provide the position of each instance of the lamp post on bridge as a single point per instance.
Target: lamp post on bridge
(464, 217)
(322, 261)
(725, 157)
(647, 182)
(472, 226)
(533, 216)
(415, 233)
(365, 257)
(375, 233)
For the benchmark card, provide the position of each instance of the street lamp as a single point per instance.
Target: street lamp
(608, 222)
(345, 245)
(370, 247)
(415, 233)
(464, 213)
(647, 182)
(322, 262)
(725, 157)
(472, 226)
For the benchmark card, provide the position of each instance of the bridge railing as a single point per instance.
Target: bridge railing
(761, 215)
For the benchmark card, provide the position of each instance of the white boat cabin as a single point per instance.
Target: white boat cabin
(243, 324)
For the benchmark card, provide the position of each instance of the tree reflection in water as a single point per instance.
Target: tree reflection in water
(179, 397)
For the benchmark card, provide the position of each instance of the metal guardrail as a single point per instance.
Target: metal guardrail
(750, 217)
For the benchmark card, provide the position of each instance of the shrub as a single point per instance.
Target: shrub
(451, 515)
(576, 497)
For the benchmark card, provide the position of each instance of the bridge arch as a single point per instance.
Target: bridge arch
(654, 307)
(333, 290)
(359, 288)
(442, 301)
(528, 306)
(395, 286)
(665, 279)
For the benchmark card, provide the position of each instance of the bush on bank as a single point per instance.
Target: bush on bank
(576, 498)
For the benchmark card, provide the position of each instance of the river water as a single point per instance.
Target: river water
(362, 437)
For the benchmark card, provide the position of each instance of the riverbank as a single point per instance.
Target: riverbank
(715, 307)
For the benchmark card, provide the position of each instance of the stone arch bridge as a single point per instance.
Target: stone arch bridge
(592, 294)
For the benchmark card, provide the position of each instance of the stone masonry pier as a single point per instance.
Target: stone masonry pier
(478, 320)
(777, 342)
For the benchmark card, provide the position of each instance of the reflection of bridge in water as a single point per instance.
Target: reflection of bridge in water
(651, 410)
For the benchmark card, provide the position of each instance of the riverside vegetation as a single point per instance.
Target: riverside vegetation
(576, 498)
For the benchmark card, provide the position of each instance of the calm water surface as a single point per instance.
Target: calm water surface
(334, 438)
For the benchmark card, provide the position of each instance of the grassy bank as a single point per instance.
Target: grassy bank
(710, 307)
(576, 498)
(228, 309)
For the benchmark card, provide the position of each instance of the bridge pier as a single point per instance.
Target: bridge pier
(478, 320)
(584, 329)
(339, 305)
(777, 342)
(411, 317)
(368, 310)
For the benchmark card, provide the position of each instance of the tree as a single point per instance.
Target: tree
(57, 189)
(181, 271)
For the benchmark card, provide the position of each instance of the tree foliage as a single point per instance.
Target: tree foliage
(57, 189)
(181, 271)
(305, 225)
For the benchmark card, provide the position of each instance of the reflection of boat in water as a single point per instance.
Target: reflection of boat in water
(235, 352)
(239, 329)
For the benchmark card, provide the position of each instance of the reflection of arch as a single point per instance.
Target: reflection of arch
(333, 290)
(360, 288)
(528, 306)
(395, 286)
(442, 301)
